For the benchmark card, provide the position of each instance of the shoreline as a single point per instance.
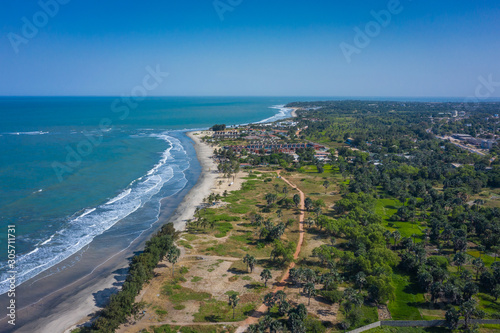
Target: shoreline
(77, 302)
(203, 187)
(184, 211)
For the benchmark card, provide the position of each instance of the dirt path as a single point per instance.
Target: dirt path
(254, 319)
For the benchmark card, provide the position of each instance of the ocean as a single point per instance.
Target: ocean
(77, 172)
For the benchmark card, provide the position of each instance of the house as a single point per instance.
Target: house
(487, 144)
(462, 137)
(226, 134)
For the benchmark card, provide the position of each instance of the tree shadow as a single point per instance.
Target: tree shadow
(101, 297)
(237, 271)
(213, 318)
(253, 286)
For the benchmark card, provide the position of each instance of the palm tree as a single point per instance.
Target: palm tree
(250, 261)
(397, 236)
(266, 275)
(479, 266)
(310, 291)
(387, 236)
(233, 302)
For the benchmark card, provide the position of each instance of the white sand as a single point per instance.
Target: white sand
(204, 186)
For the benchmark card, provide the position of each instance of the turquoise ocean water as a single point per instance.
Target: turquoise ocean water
(72, 169)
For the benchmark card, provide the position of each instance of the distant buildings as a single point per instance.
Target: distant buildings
(484, 144)
(226, 135)
(462, 137)
(487, 144)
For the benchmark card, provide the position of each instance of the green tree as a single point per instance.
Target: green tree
(380, 288)
(478, 266)
(265, 275)
(250, 261)
(496, 292)
(326, 184)
(296, 200)
(310, 291)
(452, 317)
(308, 203)
(173, 256)
(397, 236)
(233, 302)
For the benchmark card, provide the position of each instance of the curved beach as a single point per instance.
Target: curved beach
(81, 296)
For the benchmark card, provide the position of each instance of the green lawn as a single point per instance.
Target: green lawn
(387, 207)
(487, 304)
(218, 311)
(488, 260)
(404, 307)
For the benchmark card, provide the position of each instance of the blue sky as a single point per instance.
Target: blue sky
(277, 48)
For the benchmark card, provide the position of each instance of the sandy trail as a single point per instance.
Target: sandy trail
(254, 319)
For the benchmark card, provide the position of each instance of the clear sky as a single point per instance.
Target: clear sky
(250, 47)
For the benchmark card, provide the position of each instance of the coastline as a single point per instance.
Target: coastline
(76, 298)
(76, 303)
(82, 313)
(203, 187)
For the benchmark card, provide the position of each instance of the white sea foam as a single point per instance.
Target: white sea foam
(282, 114)
(119, 197)
(82, 229)
(27, 133)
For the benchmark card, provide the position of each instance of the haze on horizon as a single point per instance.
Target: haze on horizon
(242, 47)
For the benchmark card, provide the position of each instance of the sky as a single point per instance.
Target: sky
(410, 48)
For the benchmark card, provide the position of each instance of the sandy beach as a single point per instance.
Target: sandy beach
(76, 302)
(205, 185)
(294, 112)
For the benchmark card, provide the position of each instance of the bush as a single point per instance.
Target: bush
(122, 305)
(334, 296)
(314, 326)
(438, 261)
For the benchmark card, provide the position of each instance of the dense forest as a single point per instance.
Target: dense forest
(392, 153)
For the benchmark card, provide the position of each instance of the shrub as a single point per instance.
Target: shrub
(314, 326)
(334, 296)
(438, 261)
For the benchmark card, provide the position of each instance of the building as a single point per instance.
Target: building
(226, 135)
(462, 137)
(487, 144)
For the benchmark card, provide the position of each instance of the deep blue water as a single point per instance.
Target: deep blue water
(74, 168)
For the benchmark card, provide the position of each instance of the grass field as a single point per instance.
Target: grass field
(218, 311)
(386, 208)
(404, 307)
